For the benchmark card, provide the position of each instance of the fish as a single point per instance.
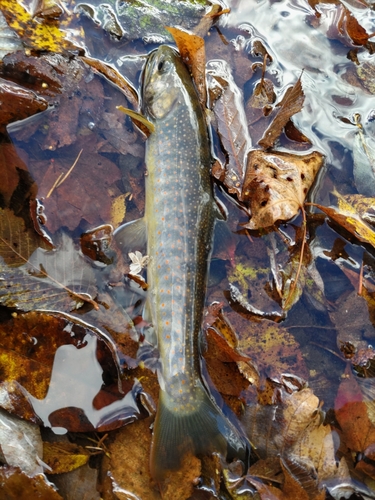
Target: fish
(179, 220)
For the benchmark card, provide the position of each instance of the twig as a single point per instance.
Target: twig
(63, 177)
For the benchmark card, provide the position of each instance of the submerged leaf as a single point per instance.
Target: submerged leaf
(15, 485)
(229, 112)
(64, 457)
(276, 185)
(350, 220)
(364, 163)
(57, 280)
(21, 444)
(291, 104)
(38, 35)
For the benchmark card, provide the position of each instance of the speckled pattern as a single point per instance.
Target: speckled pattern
(179, 207)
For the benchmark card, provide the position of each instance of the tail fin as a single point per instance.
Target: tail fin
(202, 432)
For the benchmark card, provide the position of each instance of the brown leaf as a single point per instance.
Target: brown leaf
(17, 242)
(349, 219)
(15, 485)
(28, 356)
(276, 184)
(113, 76)
(12, 168)
(129, 466)
(291, 104)
(231, 123)
(64, 456)
(192, 51)
(84, 194)
(18, 103)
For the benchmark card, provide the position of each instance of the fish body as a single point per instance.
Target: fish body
(179, 221)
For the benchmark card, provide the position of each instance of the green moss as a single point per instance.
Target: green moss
(242, 273)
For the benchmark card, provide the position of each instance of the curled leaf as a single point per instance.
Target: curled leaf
(276, 185)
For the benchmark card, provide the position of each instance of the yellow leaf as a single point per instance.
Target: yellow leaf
(45, 35)
(64, 457)
(118, 209)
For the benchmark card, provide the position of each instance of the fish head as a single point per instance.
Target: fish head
(161, 82)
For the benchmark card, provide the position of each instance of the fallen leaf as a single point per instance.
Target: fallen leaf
(45, 35)
(231, 120)
(364, 163)
(48, 9)
(21, 444)
(291, 103)
(276, 185)
(56, 280)
(129, 471)
(349, 219)
(64, 457)
(18, 103)
(363, 205)
(17, 242)
(15, 485)
(192, 50)
(86, 192)
(43, 354)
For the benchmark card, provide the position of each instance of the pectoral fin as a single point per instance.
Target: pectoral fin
(132, 236)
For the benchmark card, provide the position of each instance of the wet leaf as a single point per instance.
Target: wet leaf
(20, 444)
(291, 104)
(58, 364)
(275, 429)
(129, 467)
(15, 485)
(56, 280)
(365, 72)
(364, 206)
(85, 192)
(116, 78)
(229, 112)
(48, 9)
(18, 103)
(357, 430)
(64, 456)
(364, 163)
(192, 50)
(12, 168)
(274, 349)
(17, 242)
(349, 219)
(276, 185)
(45, 35)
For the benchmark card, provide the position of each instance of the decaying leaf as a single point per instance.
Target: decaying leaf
(364, 163)
(17, 242)
(45, 35)
(21, 444)
(291, 104)
(18, 103)
(276, 185)
(56, 280)
(64, 456)
(191, 48)
(129, 467)
(58, 364)
(15, 485)
(229, 112)
(349, 219)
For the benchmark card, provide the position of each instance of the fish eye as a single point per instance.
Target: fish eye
(160, 65)
(163, 65)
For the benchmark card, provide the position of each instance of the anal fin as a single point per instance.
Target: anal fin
(132, 236)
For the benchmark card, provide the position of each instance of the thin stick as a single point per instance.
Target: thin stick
(360, 282)
(55, 185)
(70, 170)
(295, 282)
(61, 178)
